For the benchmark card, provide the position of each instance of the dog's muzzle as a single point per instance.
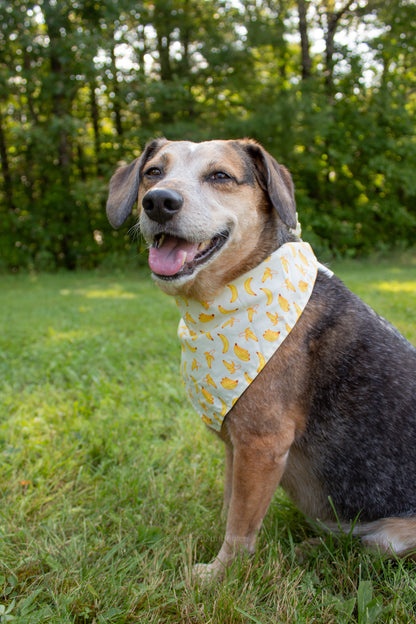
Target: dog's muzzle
(171, 254)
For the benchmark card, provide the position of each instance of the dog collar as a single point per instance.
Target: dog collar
(226, 342)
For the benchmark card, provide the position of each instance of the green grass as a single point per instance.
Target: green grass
(111, 486)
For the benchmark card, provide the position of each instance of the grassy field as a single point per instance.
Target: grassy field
(111, 486)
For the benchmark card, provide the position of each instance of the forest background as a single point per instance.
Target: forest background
(328, 87)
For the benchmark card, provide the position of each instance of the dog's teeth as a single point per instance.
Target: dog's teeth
(204, 245)
(158, 242)
(183, 260)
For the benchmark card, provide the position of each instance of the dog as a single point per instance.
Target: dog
(330, 414)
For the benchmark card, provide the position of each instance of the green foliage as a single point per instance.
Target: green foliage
(111, 487)
(85, 84)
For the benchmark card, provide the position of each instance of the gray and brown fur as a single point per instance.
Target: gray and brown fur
(332, 416)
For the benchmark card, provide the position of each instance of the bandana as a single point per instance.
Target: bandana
(226, 342)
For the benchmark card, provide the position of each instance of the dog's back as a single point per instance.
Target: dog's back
(361, 429)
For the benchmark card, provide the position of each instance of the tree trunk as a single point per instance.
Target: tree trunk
(332, 21)
(163, 48)
(116, 89)
(304, 40)
(5, 169)
(95, 118)
(61, 95)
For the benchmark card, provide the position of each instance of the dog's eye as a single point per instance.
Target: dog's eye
(153, 172)
(219, 176)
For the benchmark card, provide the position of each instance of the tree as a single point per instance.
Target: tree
(306, 60)
(84, 84)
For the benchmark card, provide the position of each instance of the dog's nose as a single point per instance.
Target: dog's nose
(162, 204)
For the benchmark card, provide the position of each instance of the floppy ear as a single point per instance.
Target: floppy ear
(276, 180)
(124, 185)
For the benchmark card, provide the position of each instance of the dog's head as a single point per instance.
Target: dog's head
(209, 211)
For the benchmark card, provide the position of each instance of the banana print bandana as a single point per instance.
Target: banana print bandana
(227, 342)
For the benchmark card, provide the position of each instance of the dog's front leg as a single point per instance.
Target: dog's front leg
(228, 485)
(258, 463)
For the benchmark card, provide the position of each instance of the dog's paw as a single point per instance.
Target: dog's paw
(208, 572)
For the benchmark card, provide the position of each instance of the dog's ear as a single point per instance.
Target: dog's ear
(276, 180)
(124, 185)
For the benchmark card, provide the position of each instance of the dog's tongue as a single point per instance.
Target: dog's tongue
(169, 258)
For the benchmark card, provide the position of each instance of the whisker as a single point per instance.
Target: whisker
(134, 231)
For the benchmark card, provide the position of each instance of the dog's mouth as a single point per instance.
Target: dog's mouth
(171, 257)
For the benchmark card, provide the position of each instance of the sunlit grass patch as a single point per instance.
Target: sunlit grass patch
(398, 287)
(389, 289)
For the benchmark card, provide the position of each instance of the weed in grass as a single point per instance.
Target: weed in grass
(111, 488)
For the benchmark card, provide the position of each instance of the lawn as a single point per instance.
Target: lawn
(111, 486)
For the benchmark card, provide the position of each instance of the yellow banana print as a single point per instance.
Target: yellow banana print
(271, 335)
(274, 318)
(185, 374)
(193, 349)
(247, 286)
(241, 353)
(251, 312)
(207, 395)
(300, 269)
(292, 249)
(268, 294)
(303, 287)
(224, 408)
(230, 322)
(248, 334)
(247, 378)
(234, 292)
(209, 357)
(298, 310)
(205, 304)
(183, 299)
(229, 384)
(224, 311)
(206, 420)
(225, 343)
(303, 259)
(289, 285)
(209, 381)
(195, 384)
(288, 328)
(262, 361)
(267, 274)
(231, 366)
(195, 365)
(189, 318)
(284, 303)
(208, 335)
(285, 263)
(205, 318)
